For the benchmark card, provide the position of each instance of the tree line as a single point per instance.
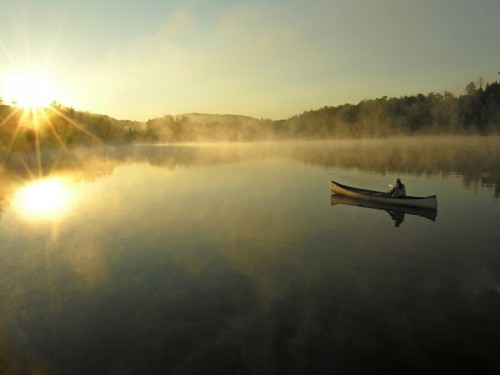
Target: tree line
(476, 111)
(60, 127)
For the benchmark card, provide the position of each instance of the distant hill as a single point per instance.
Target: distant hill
(204, 127)
(207, 118)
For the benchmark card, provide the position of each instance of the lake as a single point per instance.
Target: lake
(237, 259)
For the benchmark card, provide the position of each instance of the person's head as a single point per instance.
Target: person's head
(398, 181)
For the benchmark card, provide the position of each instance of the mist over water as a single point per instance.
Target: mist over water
(232, 259)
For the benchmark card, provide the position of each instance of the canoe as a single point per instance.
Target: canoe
(428, 213)
(380, 197)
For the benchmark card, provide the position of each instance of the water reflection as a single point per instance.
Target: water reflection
(229, 260)
(476, 159)
(46, 199)
(397, 213)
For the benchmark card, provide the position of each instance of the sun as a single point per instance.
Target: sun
(28, 90)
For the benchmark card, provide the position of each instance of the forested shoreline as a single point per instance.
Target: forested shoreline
(477, 111)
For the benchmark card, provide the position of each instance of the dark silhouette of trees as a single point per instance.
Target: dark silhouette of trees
(60, 127)
(475, 111)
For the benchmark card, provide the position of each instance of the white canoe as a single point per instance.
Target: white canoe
(381, 197)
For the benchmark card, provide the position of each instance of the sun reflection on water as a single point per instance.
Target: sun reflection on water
(46, 199)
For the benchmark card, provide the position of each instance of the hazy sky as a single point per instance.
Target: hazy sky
(139, 59)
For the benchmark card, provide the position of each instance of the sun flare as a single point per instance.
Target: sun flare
(28, 90)
(43, 200)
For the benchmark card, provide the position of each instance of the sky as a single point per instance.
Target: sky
(141, 59)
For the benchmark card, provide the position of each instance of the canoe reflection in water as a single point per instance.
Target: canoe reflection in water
(397, 213)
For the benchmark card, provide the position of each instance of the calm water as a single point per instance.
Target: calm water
(214, 259)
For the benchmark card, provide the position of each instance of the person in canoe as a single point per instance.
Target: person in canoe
(398, 190)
